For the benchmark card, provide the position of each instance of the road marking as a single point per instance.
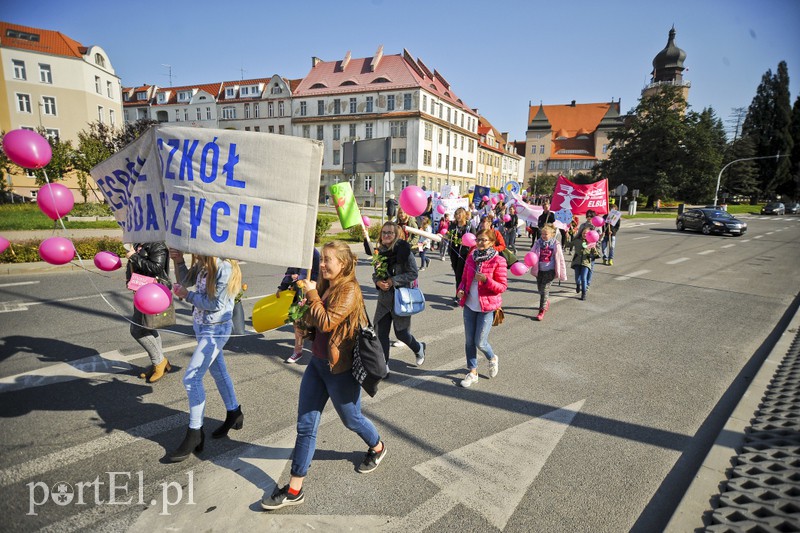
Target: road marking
(503, 465)
(769, 233)
(706, 252)
(746, 240)
(632, 275)
(729, 246)
(640, 238)
(758, 236)
(676, 261)
(3, 285)
(23, 306)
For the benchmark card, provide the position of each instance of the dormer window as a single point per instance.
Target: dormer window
(381, 79)
(254, 90)
(99, 60)
(141, 96)
(162, 98)
(230, 92)
(276, 89)
(319, 86)
(244, 91)
(184, 96)
(126, 97)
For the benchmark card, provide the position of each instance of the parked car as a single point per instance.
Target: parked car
(774, 208)
(710, 221)
(793, 208)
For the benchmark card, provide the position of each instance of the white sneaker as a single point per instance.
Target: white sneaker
(295, 357)
(493, 367)
(396, 344)
(469, 380)
(421, 354)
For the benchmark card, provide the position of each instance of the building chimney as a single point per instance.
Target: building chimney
(315, 61)
(572, 104)
(346, 60)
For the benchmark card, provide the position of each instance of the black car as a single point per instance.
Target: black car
(793, 208)
(710, 221)
(774, 208)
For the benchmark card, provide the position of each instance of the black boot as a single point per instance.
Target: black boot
(192, 442)
(234, 419)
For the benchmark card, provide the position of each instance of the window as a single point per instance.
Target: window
(337, 107)
(186, 114)
(177, 115)
(208, 113)
(303, 108)
(428, 131)
(471, 145)
(24, 103)
(368, 133)
(276, 89)
(319, 132)
(369, 104)
(256, 112)
(230, 92)
(306, 131)
(440, 135)
(541, 148)
(461, 165)
(281, 129)
(270, 109)
(256, 128)
(368, 183)
(320, 107)
(45, 76)
(605, 148)
(184, 96)
(337, 157)
(462, 142)
(404, 181)
(440, 110)
(352, 105)
(281, 109)
(246, 110)
(100, 113)
(407, 101)
(353, 182)
(247, 128)
(228, 112)
(448, 114)
(402, 155)
(455, 117)
(51, 134)
(462, 120)
(271, 129)
(426, 157)
(398, 128)
(99, 60)
(352, 131)
(108, 89)
(97, 88)
(244, 91)
(469, 167)
(19, 69)
(390, 102)
(337, 132)
(439, 161)
(425, 103)
(112, 117)
(533, 148)
(49, 107)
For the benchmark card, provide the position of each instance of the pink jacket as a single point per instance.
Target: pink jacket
(561, 266)
(489, 292)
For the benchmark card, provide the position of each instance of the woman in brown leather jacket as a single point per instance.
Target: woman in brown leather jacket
(336, 312)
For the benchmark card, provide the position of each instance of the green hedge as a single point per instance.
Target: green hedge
(28, 251)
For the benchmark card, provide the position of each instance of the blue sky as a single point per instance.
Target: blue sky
(497, 56)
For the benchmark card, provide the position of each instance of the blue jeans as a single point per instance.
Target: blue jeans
(583, 276)
(211, 338)
(317, 385)
(610, 247)
(476, 332)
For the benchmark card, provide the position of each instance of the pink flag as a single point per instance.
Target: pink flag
(527, 212)
(578, 198)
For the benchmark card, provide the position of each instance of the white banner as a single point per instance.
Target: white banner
(450, 206)
(226, 193)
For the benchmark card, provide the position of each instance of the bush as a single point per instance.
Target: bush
(28, 251)
(89, 209)
(323, 225)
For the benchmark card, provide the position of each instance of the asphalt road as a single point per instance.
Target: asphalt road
(597, 420)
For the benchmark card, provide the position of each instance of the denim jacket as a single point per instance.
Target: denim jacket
(213, 310)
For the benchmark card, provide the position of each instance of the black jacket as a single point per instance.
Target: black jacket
(151, 260)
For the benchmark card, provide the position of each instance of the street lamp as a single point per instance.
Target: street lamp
(719, 177)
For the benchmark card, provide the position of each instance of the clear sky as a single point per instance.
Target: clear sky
(497, 56)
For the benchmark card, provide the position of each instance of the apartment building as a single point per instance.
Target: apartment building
(498, 161)
(434, 133)
(54, 82)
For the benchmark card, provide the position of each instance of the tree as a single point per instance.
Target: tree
(768, 123)
(94, 146)
(5, 168)
(704, 148)
(60, 164)
(740, 179)
(794, 161)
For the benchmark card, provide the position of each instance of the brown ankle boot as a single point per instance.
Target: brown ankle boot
(159, 370)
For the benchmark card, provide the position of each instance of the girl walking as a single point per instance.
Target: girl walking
(458, 252)
(337, 310)
(484, 281)
(549, 265)
(583, 260)
(424, 245)
(216, 282)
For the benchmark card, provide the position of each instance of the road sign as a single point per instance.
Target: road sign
(621, 190)
(635, 193)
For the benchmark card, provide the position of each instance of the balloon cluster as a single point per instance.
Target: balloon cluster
(28, 149)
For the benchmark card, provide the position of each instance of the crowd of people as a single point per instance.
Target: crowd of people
(480, 244)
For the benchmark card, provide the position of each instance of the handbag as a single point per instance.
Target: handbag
(408, 301)
(369, 362)
(160, 320)
(138, 281)
(499, 316)
(509, 257)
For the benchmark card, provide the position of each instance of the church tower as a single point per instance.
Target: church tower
(668, 69)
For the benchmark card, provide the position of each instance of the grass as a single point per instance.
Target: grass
(15, 217)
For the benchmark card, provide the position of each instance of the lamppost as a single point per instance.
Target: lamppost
(719, 177)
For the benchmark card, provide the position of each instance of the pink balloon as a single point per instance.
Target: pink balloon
(107, 261)
(485, 198)
(27, 148)
(164, 288)
(468, 240)
(55, 200)
(592, 237)
(151, 299)
(413, 200)
(366, 220)
(442, 231)
(3, 244)
(506, 218)
(502, 196)
(518, 269)
(57, 250)
(597, 221)
(531, 259)
(441, 209)
(494, 200)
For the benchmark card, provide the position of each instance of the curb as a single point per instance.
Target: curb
(701, 497)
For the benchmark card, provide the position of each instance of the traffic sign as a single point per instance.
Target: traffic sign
(621, 190)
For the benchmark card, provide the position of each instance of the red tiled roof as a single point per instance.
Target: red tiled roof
(400, 71)
(50, 42)
(569, 119)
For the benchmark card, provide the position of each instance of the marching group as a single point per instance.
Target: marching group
(336, 313)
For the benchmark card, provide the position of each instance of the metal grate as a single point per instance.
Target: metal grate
(762, 493)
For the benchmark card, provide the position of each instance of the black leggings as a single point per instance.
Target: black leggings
(403, 335)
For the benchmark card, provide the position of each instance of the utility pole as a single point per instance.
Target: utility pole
(719, 177)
